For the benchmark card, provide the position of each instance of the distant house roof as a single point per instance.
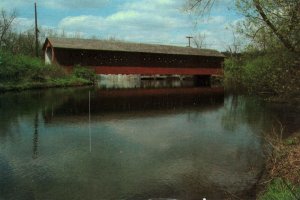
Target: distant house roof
(107, 45)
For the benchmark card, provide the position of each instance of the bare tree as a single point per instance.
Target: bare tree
(78, 35)
(199, 40)
(236, 46)
(6, 21)
(200, 6)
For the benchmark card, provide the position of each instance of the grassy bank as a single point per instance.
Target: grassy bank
(19, 72)
(282, 178)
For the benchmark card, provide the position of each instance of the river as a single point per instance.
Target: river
(163, 143)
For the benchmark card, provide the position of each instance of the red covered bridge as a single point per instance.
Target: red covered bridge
(113, 57)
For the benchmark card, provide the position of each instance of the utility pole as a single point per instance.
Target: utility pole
(36, 33)
(189, 38)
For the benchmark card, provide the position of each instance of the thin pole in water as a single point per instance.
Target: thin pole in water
(90, 134)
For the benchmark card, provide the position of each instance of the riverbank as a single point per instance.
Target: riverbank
(282, 177)
(20, 72)
(53, 83)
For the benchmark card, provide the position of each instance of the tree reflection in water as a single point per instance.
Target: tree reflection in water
(186, 143)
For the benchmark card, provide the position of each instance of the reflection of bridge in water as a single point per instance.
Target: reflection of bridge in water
(141, 102)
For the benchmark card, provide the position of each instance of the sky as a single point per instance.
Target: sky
(143, 21)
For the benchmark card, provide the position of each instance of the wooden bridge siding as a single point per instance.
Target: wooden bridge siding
(68, 57)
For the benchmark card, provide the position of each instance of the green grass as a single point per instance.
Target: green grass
(19, 72)
(55, 82)
(280, 190)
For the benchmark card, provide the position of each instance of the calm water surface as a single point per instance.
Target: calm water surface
(180, 143)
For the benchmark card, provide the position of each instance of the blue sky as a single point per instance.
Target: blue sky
(145, 21)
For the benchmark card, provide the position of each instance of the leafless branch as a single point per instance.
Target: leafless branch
(6, 21)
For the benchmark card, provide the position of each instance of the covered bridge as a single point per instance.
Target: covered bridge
(114, 57)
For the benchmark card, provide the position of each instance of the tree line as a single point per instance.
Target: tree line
(270, 61)
(10, 40)
(23, 42)
(266, 22)
(20, 69)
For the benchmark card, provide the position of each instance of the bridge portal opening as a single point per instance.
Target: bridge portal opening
(202, 80)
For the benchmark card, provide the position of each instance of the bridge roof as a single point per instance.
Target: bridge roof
(107, 45)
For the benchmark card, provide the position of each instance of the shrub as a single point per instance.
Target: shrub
(233, 72)
(273, 72)
(84, 73)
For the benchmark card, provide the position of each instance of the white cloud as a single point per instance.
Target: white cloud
(166, 6)
(149, 21)
(129, 25)
(86, 22)
(53, 4)
(214, 20)
(23, 24)
(10, 5)
(140, 21)
(70, 4)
